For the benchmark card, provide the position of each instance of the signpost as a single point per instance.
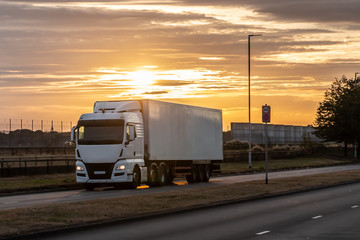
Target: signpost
(266, 118)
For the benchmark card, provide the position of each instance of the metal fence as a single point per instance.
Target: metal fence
(36, 160)
(15, 166)
(8, 125)
(34, 133)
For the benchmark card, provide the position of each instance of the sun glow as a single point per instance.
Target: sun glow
(141, 78)
(134, 78)
(150, 82)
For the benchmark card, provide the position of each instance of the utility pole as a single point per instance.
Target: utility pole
(249, 37)
(355, 150)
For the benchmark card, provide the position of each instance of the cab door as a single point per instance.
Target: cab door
(130, 146)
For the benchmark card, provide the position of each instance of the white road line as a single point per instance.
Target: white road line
(355, 206)
(316, 217)
(262, 233)
(7, 203)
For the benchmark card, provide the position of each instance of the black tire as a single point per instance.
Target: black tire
(170, 176)
(163, 175)
(207, 172)
(201, 173)
(194, 177)
(136, 178)
(153, 176)
(189, 179)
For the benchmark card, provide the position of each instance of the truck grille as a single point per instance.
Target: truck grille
(100, 170)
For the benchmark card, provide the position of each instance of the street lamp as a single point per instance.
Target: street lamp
(356, 78)
(355, 151)
(249, 37)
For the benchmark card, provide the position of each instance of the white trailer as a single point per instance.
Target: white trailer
(131, 142)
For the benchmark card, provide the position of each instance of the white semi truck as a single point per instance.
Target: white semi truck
(146, 141)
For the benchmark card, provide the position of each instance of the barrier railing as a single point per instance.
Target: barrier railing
(28, 165)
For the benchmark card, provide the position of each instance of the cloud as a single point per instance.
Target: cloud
(155, 92)
(332, 11)
(306, 10)
(171, 83)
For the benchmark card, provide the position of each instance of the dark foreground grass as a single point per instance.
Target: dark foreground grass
(55, 216)
(23, 183)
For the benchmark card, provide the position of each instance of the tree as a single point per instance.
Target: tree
(338, 115)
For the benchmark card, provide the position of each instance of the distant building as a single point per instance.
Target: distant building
(277, 134)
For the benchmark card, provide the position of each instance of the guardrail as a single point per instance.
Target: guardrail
(28, 165)
(36, 151)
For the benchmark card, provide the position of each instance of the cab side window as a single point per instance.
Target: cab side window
(130, 128)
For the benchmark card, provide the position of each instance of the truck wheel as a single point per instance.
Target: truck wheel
(194, 177)
(189, 179)
(170, 176)
(153, 176)
(163, 175)
(201, 173)
(207, 172)
(136, 178)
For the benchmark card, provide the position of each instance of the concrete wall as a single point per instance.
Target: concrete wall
(277, 134)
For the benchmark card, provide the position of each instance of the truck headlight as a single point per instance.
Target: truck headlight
(79, 168)
(121, 167)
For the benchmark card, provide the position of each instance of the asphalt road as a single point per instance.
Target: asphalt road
(30, 200)
(331, 213)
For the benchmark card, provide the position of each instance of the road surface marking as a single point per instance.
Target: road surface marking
(316, 217)
(355, 206)
(6, 203)
(262, 233)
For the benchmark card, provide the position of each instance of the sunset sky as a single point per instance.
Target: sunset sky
(58, 57)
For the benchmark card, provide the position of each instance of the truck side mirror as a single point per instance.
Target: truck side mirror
(72, 136)
(132, 133)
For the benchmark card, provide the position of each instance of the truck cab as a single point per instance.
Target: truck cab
(110, 146)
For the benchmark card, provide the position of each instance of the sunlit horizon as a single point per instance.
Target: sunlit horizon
(58, 58)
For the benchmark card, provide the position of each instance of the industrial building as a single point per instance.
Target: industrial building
(277, 134)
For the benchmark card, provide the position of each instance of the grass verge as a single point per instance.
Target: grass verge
(36, 182)
(55, 216)
(281, 164)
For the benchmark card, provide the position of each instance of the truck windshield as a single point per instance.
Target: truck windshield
(95, 132)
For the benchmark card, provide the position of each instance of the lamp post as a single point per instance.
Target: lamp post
(356, 78)
(355, 150)
(249, 37)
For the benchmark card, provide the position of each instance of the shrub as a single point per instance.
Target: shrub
(257, 152)
(257, 148)
(286, 151)
(236, 144)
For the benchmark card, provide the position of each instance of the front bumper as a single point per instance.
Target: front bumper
(103, 172)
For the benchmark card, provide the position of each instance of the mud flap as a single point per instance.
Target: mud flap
(143, 174)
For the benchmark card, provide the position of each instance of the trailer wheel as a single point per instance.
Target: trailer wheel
(201, 173)
(207, 172)
(189, 179)
(163, 176)
(194, 177)
(153, 175)
(170, 176)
